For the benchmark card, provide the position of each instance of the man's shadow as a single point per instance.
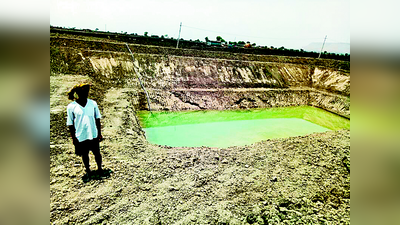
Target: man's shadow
(97, 175)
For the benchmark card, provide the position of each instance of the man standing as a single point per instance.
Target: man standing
(83, 121)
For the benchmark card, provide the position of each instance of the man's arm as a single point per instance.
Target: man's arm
(72, 133)
(98, 125)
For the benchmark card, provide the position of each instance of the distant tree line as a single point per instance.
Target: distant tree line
(232, 47)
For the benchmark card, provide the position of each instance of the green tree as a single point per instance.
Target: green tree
(146, 33)
(219, 38)
(207, 40)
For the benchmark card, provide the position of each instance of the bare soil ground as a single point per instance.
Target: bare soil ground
(298, 180)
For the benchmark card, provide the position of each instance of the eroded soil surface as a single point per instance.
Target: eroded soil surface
(296, 180)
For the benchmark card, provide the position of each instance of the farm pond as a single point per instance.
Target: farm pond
(227, 128)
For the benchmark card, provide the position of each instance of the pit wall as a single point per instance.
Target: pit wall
(229, 99)
(193, 83)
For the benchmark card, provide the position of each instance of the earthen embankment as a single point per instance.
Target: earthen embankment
(242, 81)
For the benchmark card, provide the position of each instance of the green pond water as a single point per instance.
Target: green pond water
(236, 127)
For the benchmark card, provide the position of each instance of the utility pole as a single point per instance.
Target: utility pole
(322, 46)
(179, 36)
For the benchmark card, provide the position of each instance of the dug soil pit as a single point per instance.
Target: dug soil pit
(296, 180)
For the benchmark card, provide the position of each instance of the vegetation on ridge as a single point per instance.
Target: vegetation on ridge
(231, 47)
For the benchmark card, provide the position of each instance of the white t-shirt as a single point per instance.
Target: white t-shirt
(83, 119)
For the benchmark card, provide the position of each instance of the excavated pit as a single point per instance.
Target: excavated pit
(303, 179)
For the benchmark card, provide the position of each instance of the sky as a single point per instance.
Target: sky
(289, 23)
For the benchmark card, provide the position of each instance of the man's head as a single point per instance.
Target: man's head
(79, 91)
